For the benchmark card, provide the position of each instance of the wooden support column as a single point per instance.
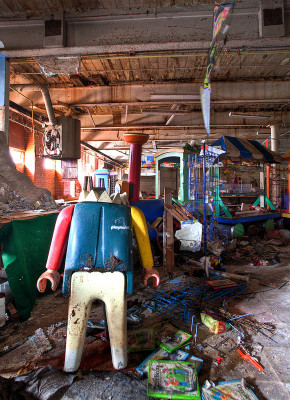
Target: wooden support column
(168, 234)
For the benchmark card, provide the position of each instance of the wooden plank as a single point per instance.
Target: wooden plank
(183, 209)
(185, 216)
(172, 212)
(25, 215)
(177, 213)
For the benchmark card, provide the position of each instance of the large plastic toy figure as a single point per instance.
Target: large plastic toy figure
(98, 266)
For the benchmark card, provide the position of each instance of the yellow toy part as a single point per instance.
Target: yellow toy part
(141, 233)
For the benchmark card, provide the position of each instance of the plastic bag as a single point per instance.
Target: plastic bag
(190, 235)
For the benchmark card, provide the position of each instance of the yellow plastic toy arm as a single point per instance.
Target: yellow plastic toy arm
(141, 233)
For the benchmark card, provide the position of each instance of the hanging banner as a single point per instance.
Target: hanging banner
(205, 91)
(220, 15)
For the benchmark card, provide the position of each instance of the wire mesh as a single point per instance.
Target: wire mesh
(203, 183)
(182, 299)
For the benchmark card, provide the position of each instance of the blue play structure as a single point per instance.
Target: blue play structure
(101, 178)
(152, 209)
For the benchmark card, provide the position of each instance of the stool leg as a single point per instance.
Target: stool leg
(86, 287)
(116, 311)
(78, 314)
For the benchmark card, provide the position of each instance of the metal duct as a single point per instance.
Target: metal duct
(46, 98)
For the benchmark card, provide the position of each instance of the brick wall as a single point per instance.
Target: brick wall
(16, 136)
(17, 142)
(46, 172)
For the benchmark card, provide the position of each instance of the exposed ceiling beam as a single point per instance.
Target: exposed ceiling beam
(164, 112)
(148, 126)
(252, 44)
(174, 96)
(168, 102)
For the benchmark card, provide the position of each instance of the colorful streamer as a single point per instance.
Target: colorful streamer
(220, 15)
(205, 91)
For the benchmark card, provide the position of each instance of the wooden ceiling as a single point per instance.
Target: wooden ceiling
(255, 69)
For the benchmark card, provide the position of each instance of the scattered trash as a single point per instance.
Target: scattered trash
(134, 318)
(177, 340)
(141, 339)
(190, 235)
(265, 329)
(218, 360)
(221, 284)
(172, 379)
(228, 390)
(95, 326)
(44, 383)
(161, 354)
(214, 325)
(246, 356)
(12, 312)
(40, 341)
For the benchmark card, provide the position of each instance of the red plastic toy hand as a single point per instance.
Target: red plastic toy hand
(51, 275)
(151, 273)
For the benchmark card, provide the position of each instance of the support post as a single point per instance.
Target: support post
(205, 196)
(4, 95)
(168, 234)
(275, 173)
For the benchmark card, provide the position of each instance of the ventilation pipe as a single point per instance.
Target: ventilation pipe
(46, 98)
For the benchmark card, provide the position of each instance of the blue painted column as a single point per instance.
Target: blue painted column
(4, 95)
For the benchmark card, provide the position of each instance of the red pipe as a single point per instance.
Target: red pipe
(136, 140)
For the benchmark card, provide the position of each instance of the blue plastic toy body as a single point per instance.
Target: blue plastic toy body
(100, 238)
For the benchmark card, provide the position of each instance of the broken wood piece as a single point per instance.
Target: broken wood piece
(220, 273)
(230, 275)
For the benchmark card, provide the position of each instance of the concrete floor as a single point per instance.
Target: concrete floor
(267, 304)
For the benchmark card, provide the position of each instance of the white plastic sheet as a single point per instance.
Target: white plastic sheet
(190, 235)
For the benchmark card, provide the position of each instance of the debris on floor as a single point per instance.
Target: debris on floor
(172, 379)
(236, 389)
(249, 337)
(40, 341)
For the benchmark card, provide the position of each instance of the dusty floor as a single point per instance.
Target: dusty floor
(267, 297)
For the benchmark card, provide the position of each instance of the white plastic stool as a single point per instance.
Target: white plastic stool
(85, 288)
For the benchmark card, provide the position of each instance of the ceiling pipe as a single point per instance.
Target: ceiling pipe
(46, 98)
(89, 146)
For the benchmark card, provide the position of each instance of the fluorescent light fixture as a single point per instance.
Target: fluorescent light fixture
(233, 115)
(174, 96)
(165, 112)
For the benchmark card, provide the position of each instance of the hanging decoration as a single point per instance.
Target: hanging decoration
(221, 15)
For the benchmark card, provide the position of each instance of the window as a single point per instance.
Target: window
(17, 155)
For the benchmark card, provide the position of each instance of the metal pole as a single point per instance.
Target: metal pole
(275, 174)
(204, 203)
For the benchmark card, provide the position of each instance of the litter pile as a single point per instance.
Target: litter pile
(17, 191)
(256, 251)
